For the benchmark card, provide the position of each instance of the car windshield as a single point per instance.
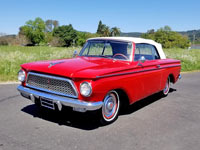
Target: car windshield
(107, 49)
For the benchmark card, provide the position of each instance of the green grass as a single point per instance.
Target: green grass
(12, 56)
(190, 59)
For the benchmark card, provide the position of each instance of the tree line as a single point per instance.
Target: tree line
(40, 32)
(49, 32)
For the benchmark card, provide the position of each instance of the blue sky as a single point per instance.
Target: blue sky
(84, 15)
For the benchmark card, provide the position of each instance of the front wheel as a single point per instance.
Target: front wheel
(110, 108)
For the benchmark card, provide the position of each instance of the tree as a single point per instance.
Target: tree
(100, 28)
(151, 31)
(106, 31)
(167, 28)
(83, 36)
(55, 24)
(23, 40)
(115, 31)
(168, 38)
(34, 30)
(103, 30)
(50, 25)
(66, 34)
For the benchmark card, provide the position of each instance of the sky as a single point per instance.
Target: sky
(84, 15)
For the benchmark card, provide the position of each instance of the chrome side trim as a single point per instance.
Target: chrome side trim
(52, 77)
(170, 66)
(118, 74)
(66, 101)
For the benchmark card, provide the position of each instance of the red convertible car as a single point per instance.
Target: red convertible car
(108, 73)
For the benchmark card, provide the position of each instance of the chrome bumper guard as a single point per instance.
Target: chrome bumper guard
(179, 76)
(77, 105)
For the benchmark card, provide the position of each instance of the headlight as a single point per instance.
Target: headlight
(21, 75)
(85, 89)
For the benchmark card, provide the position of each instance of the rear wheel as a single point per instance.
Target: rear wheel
(167, 87)
(110, 108)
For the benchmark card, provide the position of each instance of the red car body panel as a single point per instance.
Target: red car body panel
(107, 74)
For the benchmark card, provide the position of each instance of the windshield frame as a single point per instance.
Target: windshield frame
(105, 42)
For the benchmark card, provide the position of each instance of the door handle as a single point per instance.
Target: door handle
(158, 66)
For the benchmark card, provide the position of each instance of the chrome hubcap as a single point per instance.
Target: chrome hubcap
(110, 106)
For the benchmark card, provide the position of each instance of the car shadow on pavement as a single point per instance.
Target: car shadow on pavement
(66, 117)
(84, 121)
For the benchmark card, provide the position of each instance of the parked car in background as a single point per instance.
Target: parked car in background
(108, 73)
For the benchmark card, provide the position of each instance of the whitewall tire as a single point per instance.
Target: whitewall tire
(110, 108)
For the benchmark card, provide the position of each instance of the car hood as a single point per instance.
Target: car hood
(80, 67)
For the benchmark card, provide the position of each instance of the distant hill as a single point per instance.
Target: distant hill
(8, 36)
(3, 35)
(193, 35)
(131, 34)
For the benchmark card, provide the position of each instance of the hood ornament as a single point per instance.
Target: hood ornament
(54, 63)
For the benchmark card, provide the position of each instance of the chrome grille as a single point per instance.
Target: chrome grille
(52, 84)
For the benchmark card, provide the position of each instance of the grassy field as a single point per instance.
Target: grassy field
(12, 56)
(190, 59)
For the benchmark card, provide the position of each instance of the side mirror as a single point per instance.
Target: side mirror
(141, 60)
(75, 53)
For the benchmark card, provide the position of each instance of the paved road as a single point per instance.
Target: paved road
(170, 123)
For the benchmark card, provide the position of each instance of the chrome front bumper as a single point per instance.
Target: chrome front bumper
(76, 104)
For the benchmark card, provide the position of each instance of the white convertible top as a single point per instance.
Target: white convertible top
(135, 40)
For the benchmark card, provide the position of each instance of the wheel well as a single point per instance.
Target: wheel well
(171, 77)
(124, 100)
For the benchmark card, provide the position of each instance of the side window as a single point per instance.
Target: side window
(146, 50)
(137, 52)
(155, 53)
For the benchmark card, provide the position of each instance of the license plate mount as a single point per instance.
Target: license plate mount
(46, 102)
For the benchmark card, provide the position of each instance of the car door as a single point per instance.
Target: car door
(150, 72)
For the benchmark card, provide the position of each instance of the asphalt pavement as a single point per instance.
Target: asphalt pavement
(154, 123)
